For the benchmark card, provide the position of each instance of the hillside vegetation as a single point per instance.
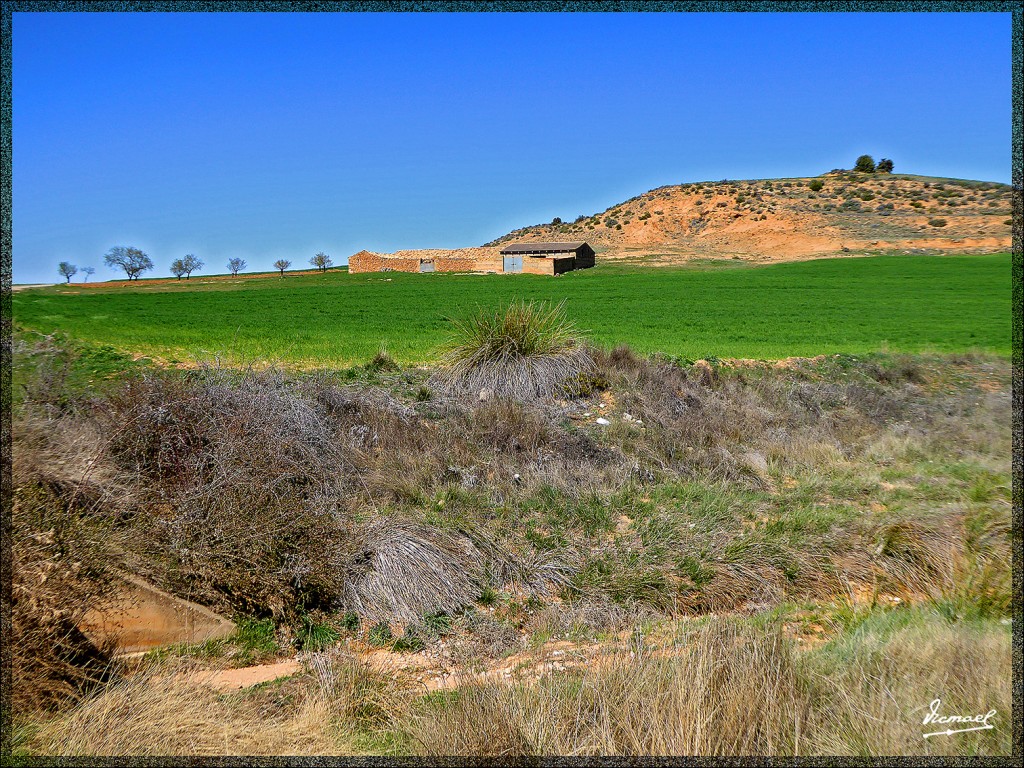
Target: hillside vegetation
(780, 219)
(677, 558)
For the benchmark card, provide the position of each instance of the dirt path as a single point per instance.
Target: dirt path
(246, 677)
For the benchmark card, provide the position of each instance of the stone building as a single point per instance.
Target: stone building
(531, 258)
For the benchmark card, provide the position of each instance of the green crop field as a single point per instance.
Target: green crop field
(853, 305)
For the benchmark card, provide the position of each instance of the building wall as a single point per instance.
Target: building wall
(444, 264)
(491, 264)
(366, 261)
(585, 258)
(567, 264)
(548, 265)
(538, 266)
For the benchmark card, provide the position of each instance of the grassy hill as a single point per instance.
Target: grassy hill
(777, 219)
(723, 308)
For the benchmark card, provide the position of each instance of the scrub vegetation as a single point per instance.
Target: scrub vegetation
(678, 558)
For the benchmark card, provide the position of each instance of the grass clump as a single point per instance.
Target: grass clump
(383, 362)
(315, 636)
(379, 635)
(523, 351)
(255, 641)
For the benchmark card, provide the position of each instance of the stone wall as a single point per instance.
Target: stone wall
(490, 263)
(454, 264)
(458, 260)
(538, 266)
(367, 261)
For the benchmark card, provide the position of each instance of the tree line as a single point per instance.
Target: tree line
(135, 262)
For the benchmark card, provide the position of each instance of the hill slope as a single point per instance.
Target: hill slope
(777, 219)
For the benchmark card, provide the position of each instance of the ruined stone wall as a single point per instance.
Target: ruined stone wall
(367, 261)
(456, 260)
(454, 264)
(490, 264)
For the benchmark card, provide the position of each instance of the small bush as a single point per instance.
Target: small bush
(379, 635)
(937, 222)
(816, 185)
(409, 642)
(523, 351)
(382, 361)
(438, 624)
(315, 636)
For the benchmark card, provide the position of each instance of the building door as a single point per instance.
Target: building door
(426, 266)
(513, 264)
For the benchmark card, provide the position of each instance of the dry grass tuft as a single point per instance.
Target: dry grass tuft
(525, 351)
(730, 692)
(166, 712)
(404, 570)
(734, 689)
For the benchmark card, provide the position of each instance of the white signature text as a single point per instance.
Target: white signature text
(974, 722)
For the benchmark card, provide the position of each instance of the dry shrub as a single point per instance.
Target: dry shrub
(918, 557)
(509, 427)
(585, 618)
(217, 429)
(52, 662)
(166, 712)
(405, 570)
(524, 351)
(731, 691)
(58, 564)
(485, 637)
(241, 481)
(874, 687)
(359, 698)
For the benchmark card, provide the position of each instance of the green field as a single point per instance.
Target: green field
(721, 309)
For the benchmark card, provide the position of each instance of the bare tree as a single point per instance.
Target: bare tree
(236, 265)
(321, 261)
(282, 265)
(178, 268)
(67, 270)
(133, 261)
(88, 272)
(192, 264)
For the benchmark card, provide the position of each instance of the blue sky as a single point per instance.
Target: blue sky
(272, 136)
